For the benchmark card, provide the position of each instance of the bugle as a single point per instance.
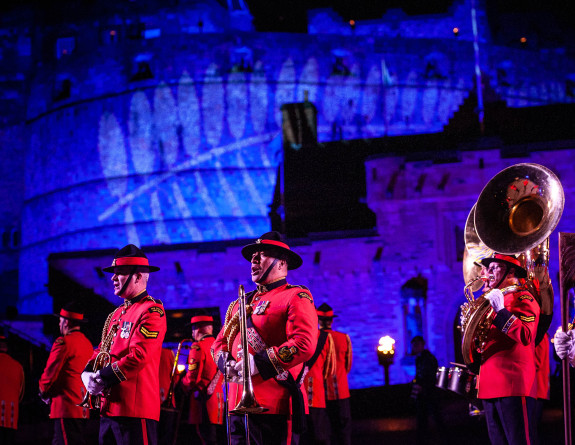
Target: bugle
(103, 359)
(248, 403)
(168, 404)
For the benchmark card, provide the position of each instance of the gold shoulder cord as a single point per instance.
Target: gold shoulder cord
(107, 338)
(232, 326)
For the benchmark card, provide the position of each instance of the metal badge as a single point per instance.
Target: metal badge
(126, 326)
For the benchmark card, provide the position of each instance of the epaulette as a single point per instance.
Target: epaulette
(290, 286)
(59, 341)
(155, 300)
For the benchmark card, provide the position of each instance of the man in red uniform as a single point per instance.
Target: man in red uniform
(133, 336)
(204, 380)
(337, 388)
(316, 370)
(282, 335)
(60, 384)
(11, 393)
(507, 381)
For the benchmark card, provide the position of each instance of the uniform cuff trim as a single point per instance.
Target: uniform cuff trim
(503, 320)
(220, 359)
(112, 375)
(265, 365)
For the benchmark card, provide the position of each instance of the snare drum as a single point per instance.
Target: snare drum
(461, 381)
(442, 377)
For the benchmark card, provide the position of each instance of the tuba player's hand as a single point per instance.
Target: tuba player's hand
(496, 299)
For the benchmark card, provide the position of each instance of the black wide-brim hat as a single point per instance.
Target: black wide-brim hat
(508, 260)
(72, 311)
(130, 259)
(273, 241)
(325, 311)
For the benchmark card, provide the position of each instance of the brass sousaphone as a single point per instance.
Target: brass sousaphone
(515, 214)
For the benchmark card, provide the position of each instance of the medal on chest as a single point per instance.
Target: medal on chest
(126, 327)
(261, 307)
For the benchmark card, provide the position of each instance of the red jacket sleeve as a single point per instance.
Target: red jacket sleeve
(195, 364)
(54, 365)
(519, 322)
(220, 345)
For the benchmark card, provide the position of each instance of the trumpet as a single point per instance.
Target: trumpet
(102, 360)
(168, 404)
(248, 403)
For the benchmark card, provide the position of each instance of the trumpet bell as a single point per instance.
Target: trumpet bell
(519, 208)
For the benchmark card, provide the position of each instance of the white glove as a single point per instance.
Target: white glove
(564, 343)
(95, 384)
(231, 371)
(240, 365)
(496, 299)
(86, 376)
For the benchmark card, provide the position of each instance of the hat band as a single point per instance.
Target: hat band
(275, 243)
(131, 261)
(509, 259)
(202, 318)
(73, 315)
(325, 314)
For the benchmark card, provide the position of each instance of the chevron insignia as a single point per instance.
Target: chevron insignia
(527, 319)
(149, 334)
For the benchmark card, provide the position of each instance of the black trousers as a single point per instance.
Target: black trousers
(7, 436)
(318, 428)
(511, 420)
(339, 413)
(128, 431)
(265, 429)
(69, 431)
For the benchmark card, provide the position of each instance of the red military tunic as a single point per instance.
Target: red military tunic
(285, 319)
(133, 374)
(324, 367)
(203, 376)
(337, 385)
(508, 362)
(166, 365)
(61, 379)
(542, 367)
(11, 390)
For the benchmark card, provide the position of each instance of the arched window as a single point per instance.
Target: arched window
(413, 305)
(413, 302)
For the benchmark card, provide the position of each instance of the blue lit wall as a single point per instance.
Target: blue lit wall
(191, 153)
